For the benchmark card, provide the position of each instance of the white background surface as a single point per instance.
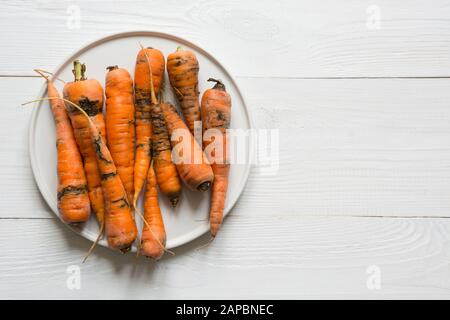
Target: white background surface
(364, 175)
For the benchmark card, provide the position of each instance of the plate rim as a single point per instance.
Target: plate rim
(195, 233)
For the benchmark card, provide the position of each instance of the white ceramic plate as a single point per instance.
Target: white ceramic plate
(190, 219)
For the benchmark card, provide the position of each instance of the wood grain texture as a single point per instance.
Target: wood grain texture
(296, 257)
(297, 38)
(346, 147)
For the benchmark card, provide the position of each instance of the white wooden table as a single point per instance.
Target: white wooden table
(360, 93)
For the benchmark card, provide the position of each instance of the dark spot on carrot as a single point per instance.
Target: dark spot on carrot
(105, 176)
(98, 149)
(72, 190)
(220, 115)
(124, 202)
(89, 106)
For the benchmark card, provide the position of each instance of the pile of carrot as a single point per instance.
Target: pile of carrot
(107, 157)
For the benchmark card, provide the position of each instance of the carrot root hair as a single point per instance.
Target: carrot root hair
(205, 244)
(99, 236)
(152, 87)
(42, 71)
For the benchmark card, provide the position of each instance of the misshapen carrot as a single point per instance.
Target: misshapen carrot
(148, 62)
(89, 95)
(153, 238)
(120, 226)
(120, 124)
(216, 114)
(182, 67)
(73, 199)
(194, 169)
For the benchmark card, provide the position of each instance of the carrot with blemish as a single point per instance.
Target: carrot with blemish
(216, 114)
(153, 238)
(89, 95)
(149, 71)
(165, 170)
(120, 226)
(73, 199)
(182, 67)
(120, 124)
(191, 163)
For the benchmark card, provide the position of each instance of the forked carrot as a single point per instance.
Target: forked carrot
(216, 114)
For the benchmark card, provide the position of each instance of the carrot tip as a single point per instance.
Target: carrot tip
(206, 244)
(125, 250)
(204, 186)
(174, 201)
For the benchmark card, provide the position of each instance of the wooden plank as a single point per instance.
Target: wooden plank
(346, 147)
(268, 257)
(354, 147)
(253, 38)
(19, 193)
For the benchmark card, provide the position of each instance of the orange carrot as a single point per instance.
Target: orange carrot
(73, 199)
(165, 170)
(120, 124)
(149, 71)
(120, 226)
(182, 67)
(89, 95)
(216, 114)
(195, 170)
(153, 238)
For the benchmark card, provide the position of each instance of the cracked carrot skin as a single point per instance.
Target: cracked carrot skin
(216, 114)
(143, 100)
(73, 199)
(182, 67)
(88, 94)
(197, 175)
(120, 124)
(152, 241)
(165, 170)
